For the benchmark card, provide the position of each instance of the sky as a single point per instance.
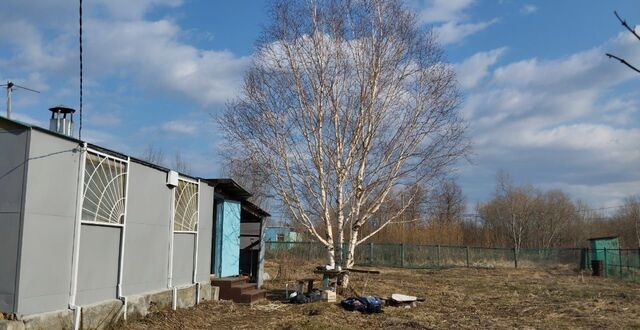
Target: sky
(541, 99)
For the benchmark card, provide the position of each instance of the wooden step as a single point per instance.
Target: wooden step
(238, 289)
(228, 282)
(251, 296)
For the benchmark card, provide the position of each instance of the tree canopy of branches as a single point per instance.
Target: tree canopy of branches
(345, 103)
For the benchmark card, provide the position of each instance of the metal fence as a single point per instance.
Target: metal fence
(616, 263)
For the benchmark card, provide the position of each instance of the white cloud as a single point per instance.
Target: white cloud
(557, 122)
(475, 68)
(453, 32)
(451, 22)
(180, 127)
(151, 50)
(438, 11)
(528, 9)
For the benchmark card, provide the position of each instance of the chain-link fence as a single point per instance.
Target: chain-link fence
(615, 263)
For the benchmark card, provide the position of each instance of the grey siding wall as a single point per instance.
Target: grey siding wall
(98, 263)
(183, 244)
(147, 239)
(47, 242)
(205, 232)
(13, 148)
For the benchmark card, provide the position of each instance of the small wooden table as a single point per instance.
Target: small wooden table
(330, 275)
(302, 281)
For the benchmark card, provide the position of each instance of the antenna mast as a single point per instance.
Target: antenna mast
(10, 86)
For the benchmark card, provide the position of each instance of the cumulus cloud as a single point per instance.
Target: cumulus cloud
(151, 50)
(450, 19)
(475, 68)
(556, 122)
(528, 9)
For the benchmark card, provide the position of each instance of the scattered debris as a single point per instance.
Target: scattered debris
(366, 305)
(403, 300)
(329, 296)
(268, 307)
(266, 276)
(303, 298)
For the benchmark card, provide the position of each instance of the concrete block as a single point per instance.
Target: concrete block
(11, 325)
(215, 293)
(62, 319)
(205, 291)
(103, 315)
(186, 297)
(139, 306)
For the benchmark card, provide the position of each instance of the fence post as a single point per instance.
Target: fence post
(515, 257)
(438, 255)
(402, 255)
(467, 255)
(605, 262)
(370, 254)
(620, 262)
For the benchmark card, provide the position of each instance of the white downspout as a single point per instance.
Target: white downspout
(76, 240)
(195, 255)
(123, 237)
(170, 264)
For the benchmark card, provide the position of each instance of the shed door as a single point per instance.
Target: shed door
(227, 238)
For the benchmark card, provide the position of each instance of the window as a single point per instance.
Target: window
(186, 207)
(280, 237)
(105, 180)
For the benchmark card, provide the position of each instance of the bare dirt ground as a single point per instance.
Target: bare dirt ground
(455, 298)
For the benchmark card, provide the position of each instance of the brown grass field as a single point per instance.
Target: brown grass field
(468, 298)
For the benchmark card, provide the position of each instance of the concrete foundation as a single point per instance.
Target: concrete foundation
(139, 306)
(62, 319)
(101, 315)
(11, 325)
(107, 314)
(186, 297)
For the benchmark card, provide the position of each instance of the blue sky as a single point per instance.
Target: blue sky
(542, 100)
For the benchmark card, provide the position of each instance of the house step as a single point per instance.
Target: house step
(252, 296)
(228, 282)
(238, 289)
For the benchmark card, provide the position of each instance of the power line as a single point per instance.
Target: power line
(80, 129)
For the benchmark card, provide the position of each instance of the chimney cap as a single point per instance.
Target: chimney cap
(62, 109)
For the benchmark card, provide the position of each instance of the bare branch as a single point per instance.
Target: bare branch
(623, 62)
(624, 23)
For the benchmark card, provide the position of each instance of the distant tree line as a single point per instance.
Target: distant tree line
(516, 216)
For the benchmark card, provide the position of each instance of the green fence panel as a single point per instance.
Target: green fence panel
(619, 263)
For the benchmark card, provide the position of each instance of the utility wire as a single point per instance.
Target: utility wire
(80, 129)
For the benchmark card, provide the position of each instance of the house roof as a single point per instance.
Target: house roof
(91, 145)
(225, 186)
(603, 237)
(229, 188)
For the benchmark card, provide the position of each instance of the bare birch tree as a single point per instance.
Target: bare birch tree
(345, 103)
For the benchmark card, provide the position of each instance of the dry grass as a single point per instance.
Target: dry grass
(455, 298)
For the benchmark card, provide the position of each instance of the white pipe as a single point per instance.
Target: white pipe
(174, 299)
(76, 239)
(171, 224)
(123, 237)
(195, 255)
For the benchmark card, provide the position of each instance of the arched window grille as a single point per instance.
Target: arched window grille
(105, 180)
(186, 207)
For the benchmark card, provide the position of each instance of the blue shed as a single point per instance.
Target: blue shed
(280, 234)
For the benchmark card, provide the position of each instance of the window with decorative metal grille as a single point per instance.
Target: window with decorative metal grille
(186, 207)
(105, 180)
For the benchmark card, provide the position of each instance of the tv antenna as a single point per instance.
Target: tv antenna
(10, 86)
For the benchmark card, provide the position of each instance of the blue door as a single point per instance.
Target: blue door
(227, 254)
